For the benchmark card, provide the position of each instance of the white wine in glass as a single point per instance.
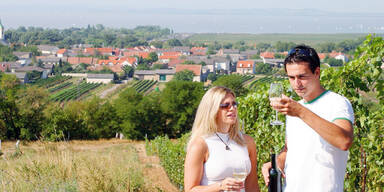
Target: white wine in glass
(240, 171)
(275, 93)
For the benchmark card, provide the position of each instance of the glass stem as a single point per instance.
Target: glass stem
(276, 116)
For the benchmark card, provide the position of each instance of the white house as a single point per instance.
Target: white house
(342, 57)
(99, 78)
(162, 75)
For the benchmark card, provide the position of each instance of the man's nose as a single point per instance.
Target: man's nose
(297, 82)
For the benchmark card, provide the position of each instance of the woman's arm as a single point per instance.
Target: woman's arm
(251, 183)
(197, 154)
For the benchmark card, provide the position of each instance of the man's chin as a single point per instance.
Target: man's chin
(300, 94)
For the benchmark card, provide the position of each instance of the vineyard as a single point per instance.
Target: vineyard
(73, 92)
(60, 86)
(263, 80)
(243, 78)
(52, 81)
(143, 85)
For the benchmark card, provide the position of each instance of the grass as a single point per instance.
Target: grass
(72, 166)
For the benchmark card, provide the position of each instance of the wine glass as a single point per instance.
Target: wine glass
(275, 92)
(240, 170)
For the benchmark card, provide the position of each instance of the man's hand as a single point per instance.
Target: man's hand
(265, 171)
(288, 106)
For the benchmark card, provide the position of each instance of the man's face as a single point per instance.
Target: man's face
(302, 80)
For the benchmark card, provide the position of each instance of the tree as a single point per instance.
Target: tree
(125, 107)
(212, 77)
(140, 115)
(157, 44)
(96, 35)
(279, 56)
(9, 114)
(142, 67)
(173, 43)
(152, 119)
(179, 101)
(202, 63)
(62, 67)
(152, 57)
(185, 75)
(263, 68)
(188, 62)
(211, 51)
(100, 119)
(333, 62)
(6, 54)
(159, 66)
(326, 47)
(284, 46)
(31, 104)
(233, 82)
(82, 67)
(256, 56)
(227, 45)
(128, 70)
(263, 46)
(55, 125)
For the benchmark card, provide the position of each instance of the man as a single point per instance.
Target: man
(319, 129)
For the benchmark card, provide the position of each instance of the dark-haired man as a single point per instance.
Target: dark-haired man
(319, 128)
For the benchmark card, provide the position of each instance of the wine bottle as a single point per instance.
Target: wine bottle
(274, 176)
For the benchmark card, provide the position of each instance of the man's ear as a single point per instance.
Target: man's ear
(317, 71)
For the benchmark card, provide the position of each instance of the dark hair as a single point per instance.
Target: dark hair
(303, 53)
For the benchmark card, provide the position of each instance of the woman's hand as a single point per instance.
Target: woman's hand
(231, 184)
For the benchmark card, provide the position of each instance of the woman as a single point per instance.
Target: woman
(217, 146)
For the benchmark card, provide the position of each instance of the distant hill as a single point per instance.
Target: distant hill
(272, 38)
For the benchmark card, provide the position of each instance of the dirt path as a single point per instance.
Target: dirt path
(105, 93)
(153, 171)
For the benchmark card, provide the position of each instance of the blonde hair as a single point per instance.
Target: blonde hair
(205, 121)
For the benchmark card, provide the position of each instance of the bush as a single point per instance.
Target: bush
(172, 156)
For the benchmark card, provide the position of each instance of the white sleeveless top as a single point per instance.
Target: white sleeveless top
(220, 161)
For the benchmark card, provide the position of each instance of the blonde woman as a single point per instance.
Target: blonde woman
(217, 147)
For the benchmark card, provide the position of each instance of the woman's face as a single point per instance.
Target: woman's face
(227, 114)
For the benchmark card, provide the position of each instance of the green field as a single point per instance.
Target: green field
(272, 38)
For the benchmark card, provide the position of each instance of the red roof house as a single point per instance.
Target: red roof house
(267, 55)
(196, 69)
(245, 66)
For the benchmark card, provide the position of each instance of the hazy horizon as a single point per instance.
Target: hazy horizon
(244, 16)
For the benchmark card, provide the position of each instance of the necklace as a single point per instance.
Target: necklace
(226, 145)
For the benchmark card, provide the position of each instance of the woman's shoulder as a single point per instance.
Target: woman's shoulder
(197, 144)
(248, 140)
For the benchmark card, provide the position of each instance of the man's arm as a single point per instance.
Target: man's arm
(338, 133)
(281, 157)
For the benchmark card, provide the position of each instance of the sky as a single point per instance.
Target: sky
(201, 16)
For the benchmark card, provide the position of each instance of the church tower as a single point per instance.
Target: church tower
(1, 31)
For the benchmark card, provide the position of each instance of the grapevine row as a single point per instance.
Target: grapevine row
(74, 92)
(51, 81)
(60, 86)
(143, 85)
(266, 79)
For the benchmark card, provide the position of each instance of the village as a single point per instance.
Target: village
(165, 62)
